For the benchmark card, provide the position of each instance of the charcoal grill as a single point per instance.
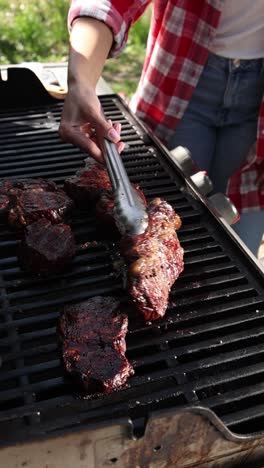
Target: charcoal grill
(197, 395)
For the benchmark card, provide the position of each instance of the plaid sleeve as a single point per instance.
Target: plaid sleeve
(116, 14)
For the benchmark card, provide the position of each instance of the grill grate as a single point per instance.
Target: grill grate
(207, 351)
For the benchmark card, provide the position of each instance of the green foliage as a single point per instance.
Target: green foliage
(33, 31)
(36, 30)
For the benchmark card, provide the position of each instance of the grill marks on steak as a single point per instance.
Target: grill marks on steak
(92, 334)
(13, 186)
(88, 184)
(46, 248)
(92, 187)
(9, 188)
(30, 206)
(154, 260)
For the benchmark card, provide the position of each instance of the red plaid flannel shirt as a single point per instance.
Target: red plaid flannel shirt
(180, 35)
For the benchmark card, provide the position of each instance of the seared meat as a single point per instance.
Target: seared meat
(46, 248)
(4, 204)
(88, 184)
(92, 334)
(31, 205)
(154, 260)
(14, 186)
(105, 212)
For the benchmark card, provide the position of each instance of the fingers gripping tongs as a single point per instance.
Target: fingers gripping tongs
(129, 211)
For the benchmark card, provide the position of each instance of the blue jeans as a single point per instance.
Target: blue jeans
(220, 125)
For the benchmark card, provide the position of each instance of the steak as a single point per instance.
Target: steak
(154, 260)
(46, 248)
(88, 184)
(11, 187)
(92, 335)
(31, 205)
(4, 204)
(15, 186)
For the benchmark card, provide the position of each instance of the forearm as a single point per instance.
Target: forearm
(90, 42)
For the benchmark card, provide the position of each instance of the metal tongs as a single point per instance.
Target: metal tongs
(129, 211)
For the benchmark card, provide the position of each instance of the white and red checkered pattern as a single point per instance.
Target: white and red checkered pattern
(180, 35)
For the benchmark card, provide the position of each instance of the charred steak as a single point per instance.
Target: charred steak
(4, 204)
(92, 335)
(29, 206)
(12, 187)
(154, 260)
(46, 248)
(88, 184)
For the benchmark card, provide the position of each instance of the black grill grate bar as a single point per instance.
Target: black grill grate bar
(45, 173)
(47, 113)
(144, 159)
(27, 337)
(202, 383)
(131, 152)
(25, 132)
(85, 256)
(5, 244)
(222, 355)
(27, 370)
(26, 282)
(236, 360)
(79, 269)
(235, 396)
(28, 409)
(196, 286)
(165, 184)
(110, 286)
(32, 139)
(30, 168)
(208, 246)
(96, 409)
(146, 177)
(186, 238)
(34, 112)
(41, 157)
(25, 146)
(209, 271)
(158, 191)
(35, 293)
(232, 307)
(34, 387)
(32, 352)
(198, 336)
(28, 320)
(205, 258)
(213, 296)
(250, 414)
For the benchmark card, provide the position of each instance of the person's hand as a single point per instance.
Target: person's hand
(83, 124)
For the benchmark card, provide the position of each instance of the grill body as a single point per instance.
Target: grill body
(198, 371)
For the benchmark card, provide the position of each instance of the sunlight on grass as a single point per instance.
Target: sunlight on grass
(36, 30)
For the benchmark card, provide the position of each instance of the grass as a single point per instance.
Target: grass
(36, 30)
